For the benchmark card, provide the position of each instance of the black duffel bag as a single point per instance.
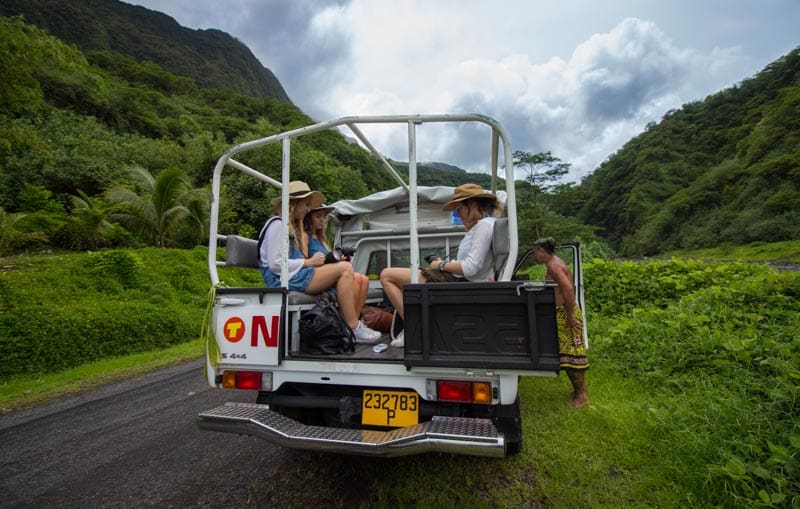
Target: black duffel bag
(323, 331)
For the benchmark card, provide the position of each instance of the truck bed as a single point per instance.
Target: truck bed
(363, 352)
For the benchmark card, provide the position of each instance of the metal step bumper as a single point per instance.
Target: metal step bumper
(458, 435)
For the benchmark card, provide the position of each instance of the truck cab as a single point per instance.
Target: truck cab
(451, 388)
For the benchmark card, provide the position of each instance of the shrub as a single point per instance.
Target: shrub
(614, 287)
(718, 344)
(124, 266)
(61, 311)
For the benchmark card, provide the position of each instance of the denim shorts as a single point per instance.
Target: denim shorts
(298, 282)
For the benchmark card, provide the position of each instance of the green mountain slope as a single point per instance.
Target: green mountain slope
(722, 170)
(212, 58)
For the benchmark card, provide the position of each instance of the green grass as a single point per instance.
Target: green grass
(599, 456)
(788, 251)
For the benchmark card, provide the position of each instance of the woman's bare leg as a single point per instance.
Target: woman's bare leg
(340, 275)
(392, 280)
(361, 289)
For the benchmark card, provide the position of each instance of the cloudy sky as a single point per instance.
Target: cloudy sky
(577, 78)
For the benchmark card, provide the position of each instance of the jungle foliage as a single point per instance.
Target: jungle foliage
(715, 345)
(722, 170)
(76, 119)
(87, 138)
(75, 127)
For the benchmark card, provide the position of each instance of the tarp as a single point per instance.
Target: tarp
(389, 209)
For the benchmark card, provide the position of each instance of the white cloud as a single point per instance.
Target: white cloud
(577, 78)
(581, 109)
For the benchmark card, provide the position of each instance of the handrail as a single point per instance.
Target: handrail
(352, 122)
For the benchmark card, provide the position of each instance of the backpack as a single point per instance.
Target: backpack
(323, 331)
(261, 235)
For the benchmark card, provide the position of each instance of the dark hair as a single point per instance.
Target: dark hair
(547, 243)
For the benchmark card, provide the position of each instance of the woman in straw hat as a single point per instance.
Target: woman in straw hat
(314, 224)
(474, 262)
(309, 273)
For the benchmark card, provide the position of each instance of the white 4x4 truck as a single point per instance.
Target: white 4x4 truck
(452, 388)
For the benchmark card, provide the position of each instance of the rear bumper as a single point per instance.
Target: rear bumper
(457, 435)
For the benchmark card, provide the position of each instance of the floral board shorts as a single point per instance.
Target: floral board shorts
(571, 348)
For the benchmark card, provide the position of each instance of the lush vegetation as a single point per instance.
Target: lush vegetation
(89, 146)
(694, 380)
(62, 311)
(211, 58)
(98, 150)
(722, 170)
(696, 365)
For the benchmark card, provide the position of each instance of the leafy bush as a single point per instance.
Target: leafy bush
(122, 266)
(718, 344)
(61, 311)
(614, 287)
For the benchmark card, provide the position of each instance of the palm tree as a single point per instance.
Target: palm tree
(12, 231)
(198, 203)
(92, 214)
(158, 211)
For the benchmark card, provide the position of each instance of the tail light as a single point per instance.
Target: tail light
(464, 391)
(242, 380)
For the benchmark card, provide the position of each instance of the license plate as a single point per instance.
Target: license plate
(389, 408)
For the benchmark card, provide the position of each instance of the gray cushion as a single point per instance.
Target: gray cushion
(500, 243)
(241, 252)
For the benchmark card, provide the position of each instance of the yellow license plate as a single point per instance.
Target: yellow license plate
(389, 408)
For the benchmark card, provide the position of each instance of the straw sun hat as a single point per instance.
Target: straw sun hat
(298, 190)
(326, 208)
(465, 192)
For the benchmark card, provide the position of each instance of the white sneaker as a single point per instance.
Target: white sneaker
(364, 334)
(399, 341)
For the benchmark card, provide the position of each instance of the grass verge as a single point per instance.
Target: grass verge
(30, 390)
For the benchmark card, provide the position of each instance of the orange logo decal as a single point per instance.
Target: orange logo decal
(233, 330)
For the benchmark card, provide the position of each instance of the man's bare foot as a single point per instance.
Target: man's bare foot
(579, 401)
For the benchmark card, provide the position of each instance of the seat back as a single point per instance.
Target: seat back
(500, 245)
(241, 252)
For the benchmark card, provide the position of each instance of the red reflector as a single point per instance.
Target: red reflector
(248, 380)
(450, 390)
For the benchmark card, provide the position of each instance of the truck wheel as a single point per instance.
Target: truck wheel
(509, 423)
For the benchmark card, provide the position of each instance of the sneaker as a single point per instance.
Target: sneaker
(399, 341)
(364, 334)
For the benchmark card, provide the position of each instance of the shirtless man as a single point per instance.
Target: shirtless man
(572, 350)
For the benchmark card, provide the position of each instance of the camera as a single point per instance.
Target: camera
(338, 254)
(429, 258)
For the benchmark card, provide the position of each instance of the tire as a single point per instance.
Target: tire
(509, 423)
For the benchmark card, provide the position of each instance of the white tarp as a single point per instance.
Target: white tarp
(389, 209)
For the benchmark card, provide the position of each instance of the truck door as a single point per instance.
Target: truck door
(570, 252)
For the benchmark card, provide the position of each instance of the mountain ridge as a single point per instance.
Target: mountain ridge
(211, 57)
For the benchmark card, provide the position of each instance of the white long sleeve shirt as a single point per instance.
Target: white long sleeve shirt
(271, 251)
(475, 253)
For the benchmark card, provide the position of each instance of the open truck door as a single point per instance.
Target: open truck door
(570, 252)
